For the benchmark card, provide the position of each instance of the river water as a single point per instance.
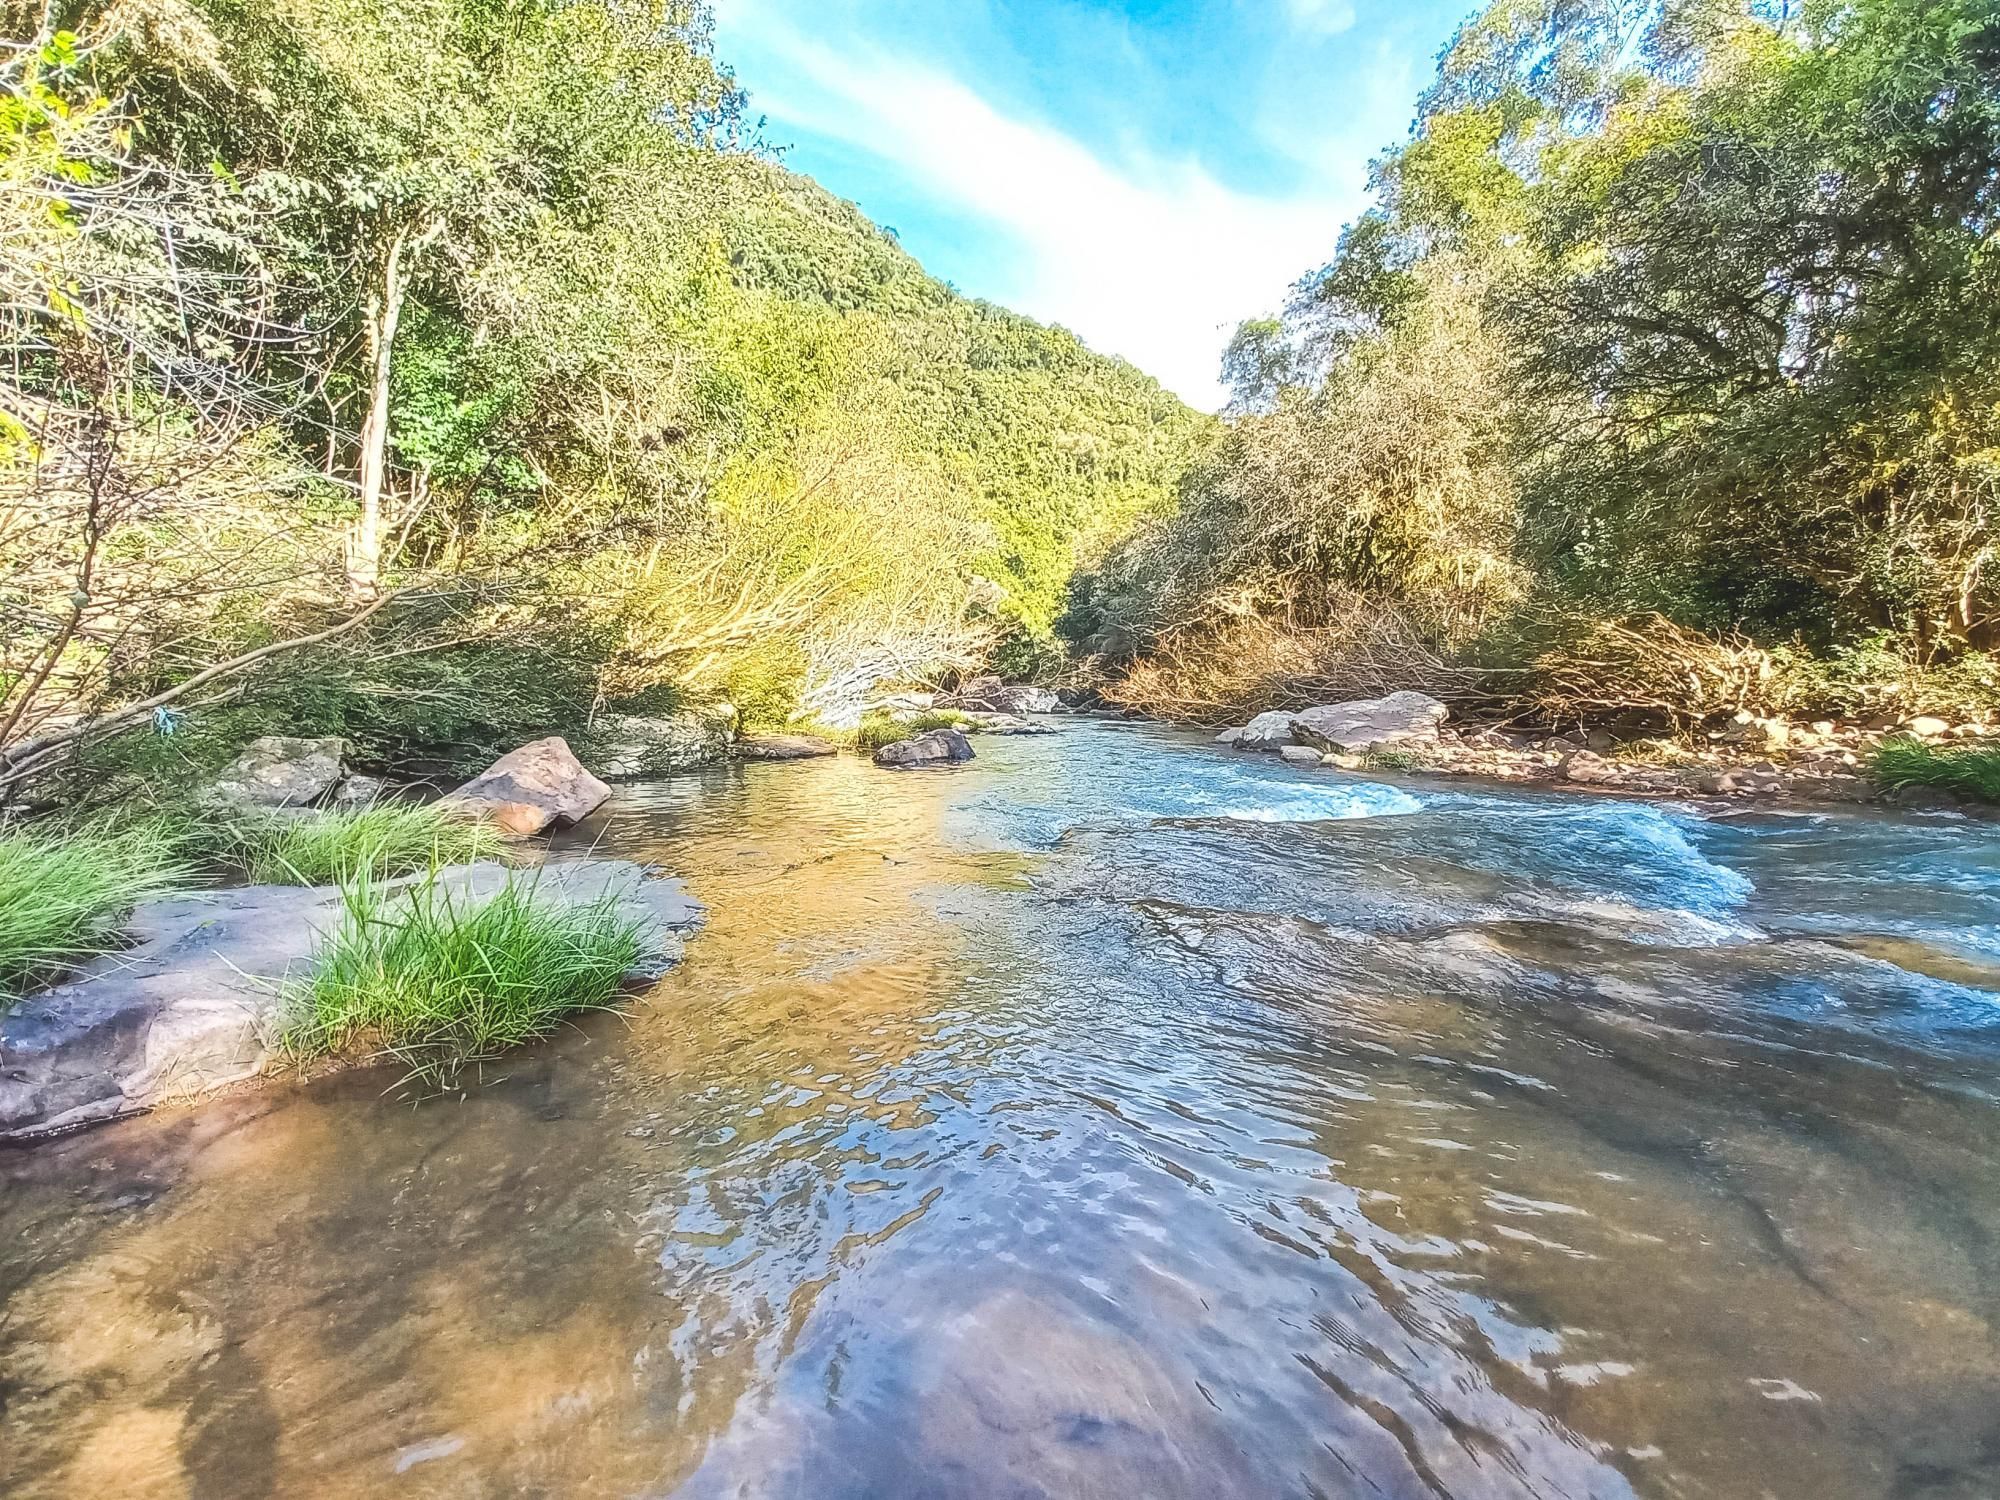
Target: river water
(1112, 1117)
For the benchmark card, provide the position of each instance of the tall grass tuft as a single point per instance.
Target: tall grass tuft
(444, 981)
(376, 842)
(1971, 772)
(877, 730)
(61, 898)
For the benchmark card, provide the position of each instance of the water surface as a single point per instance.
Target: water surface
(1113, 1117)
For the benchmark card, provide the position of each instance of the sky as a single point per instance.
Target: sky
(1146, 173)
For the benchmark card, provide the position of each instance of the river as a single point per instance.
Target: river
(1112, 1117)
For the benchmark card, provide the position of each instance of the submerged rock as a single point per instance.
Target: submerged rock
(525, 791)
(280, 771)
(934, 747)
(635, 745)
(784, 747)
(196, 1004)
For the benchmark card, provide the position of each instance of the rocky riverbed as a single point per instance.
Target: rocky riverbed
(1824, 761)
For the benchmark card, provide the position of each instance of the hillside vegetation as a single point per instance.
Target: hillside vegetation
(438, 374)
(1662, 380)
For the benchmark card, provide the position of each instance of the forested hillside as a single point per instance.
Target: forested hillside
(473, 361)
(1663, 378)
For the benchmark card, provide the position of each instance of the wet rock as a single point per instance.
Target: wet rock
(636, 745)
(1299, 755)
(1229, 736)
(934, 747)
(195, 1004)
(525, 791)
(1371, 723)
(280, 771)
(784, 747)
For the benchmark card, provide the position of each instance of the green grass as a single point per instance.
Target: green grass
(877, 730)
(444, 981)
(385, 840)
(62, 897)
(1973, 773)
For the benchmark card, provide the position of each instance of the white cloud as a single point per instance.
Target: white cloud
(1321, 17)
(1152, 259)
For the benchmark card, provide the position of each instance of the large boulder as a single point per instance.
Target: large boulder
(538, 786)
(196, 1003)
(636, 745)
(280, 771)
(784, 747)
(1371, 723)
(934, 747)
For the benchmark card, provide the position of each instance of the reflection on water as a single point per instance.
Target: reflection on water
(1112, 1117)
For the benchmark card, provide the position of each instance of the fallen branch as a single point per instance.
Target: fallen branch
(18, 762)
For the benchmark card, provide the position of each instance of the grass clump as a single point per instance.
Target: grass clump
(378, 842)
(443, 980)
(877, 730)
(62, 897)
(1970, 772)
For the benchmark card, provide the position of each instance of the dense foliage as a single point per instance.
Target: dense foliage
(471, 360)
(1665, 373)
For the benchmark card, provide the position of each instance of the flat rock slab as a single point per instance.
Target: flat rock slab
(195, 1004)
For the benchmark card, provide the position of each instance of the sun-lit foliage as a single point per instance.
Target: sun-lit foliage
(1681, 314)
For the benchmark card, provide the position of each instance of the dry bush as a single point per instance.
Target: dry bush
(1648, 667)
(1227, 671)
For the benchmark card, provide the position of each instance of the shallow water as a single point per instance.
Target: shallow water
(1112, 1117)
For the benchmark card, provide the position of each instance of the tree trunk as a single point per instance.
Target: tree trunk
(380, 314)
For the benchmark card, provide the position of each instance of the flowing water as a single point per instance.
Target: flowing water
(1116, 1117)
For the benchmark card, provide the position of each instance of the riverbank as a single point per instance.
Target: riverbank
(1750, 757)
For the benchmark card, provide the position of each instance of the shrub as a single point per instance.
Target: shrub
(1971, 772)
(385, 840)
(444, 980)
(61, 898)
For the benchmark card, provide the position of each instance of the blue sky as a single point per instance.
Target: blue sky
(1145, 172)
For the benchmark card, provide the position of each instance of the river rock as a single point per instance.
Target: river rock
(1267, 731)
(784, 747)
(1299, 755)
(1006, 724)
(629, 745)
(1230, 736)
(357, 792)
(280, 771)
(934, 747)
(991, 695)
(1371, 723)
(196, 1003)
(1925, 727)
(525, 791)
